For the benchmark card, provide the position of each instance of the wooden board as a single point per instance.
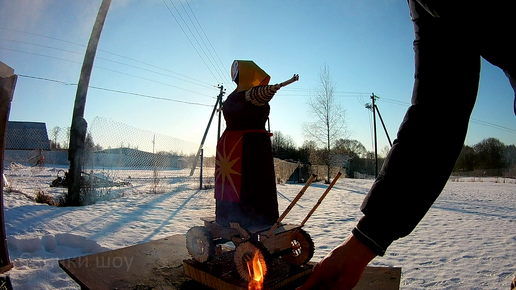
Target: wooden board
(153, 265)
(380, 278)
(158, 265)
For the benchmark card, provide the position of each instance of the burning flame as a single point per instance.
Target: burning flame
(257, 269)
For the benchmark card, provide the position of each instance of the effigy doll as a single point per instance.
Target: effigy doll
(245, 185)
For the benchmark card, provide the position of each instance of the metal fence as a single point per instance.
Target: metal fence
(118, 158)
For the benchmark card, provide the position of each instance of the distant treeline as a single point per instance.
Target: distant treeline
(490, 156)
(350, 155)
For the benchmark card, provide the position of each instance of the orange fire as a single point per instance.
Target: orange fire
(257, 269)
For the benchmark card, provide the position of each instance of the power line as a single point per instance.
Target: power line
(39, 54)
(393, 101)
(44, 36)
(370, 115)
(116, 91)
(204, 84)
(150, 97)
(349, 94)
(154, 81)
(100, 50)
(111, 70)
(472, 120)
(207, 57)
(230, 83)
(358, 95)
(46, 79)
(488, 124)
(216, 66)
(187, 37)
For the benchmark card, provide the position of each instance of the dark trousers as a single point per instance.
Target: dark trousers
(448, 53)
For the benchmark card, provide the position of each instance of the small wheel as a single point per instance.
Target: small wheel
(200, 244)
(302, 249)
(245, 253)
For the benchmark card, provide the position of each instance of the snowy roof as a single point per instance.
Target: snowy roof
(27, 136)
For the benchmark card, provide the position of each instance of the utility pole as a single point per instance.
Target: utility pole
(373, 98)
(219, 101)
(375, 110)
(79, 125)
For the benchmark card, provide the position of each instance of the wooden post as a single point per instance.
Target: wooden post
(202, 164)
(7, 85)
(79, 126)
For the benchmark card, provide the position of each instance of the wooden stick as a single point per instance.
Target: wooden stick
(293, 79)
(321, 199)
(287, 210)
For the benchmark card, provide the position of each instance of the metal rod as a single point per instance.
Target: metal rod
(321, 199)
(287, 210)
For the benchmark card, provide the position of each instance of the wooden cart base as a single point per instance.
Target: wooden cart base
(217, 276)
(160, 265)
(220, 274)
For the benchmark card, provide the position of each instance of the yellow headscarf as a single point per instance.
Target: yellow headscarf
(249, 75)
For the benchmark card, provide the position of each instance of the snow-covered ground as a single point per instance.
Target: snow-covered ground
(466, 241)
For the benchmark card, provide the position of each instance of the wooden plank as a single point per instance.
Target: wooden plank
(160, 265)
(380, 278)
(156, 265)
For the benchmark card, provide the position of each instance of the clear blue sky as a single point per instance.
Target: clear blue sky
(181, 50)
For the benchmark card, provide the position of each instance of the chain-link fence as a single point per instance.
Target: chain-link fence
(118, 158)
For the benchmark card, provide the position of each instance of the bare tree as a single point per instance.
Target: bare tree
(282, 143)
(329, 116)
(385, 151)
(66, 144)
(55, 133)
(310, 150)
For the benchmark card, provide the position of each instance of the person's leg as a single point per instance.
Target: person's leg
(432, 134)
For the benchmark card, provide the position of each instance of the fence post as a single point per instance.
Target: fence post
(7, 85)
(79, 126)
(202, 163)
